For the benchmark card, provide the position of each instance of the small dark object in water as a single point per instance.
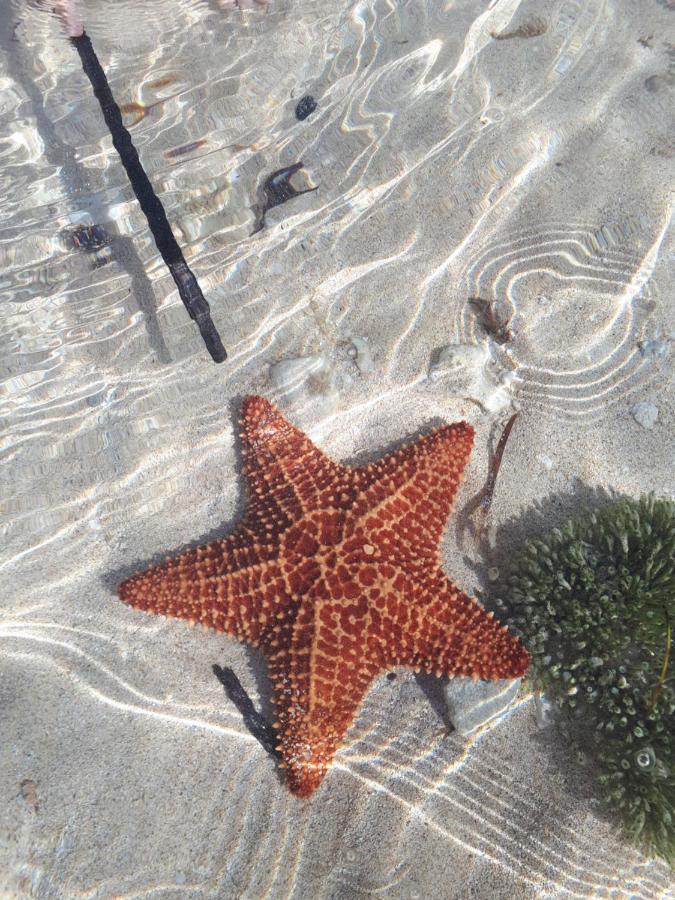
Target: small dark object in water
(276, 190)
(305, 107)
(535, 28)
(186, 148)
(188, 286)
(89, 237)
(261, 730)
(490, 321)
(483, 498)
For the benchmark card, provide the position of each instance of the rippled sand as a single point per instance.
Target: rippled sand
(491, 178)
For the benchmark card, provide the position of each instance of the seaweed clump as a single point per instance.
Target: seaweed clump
(594, 602)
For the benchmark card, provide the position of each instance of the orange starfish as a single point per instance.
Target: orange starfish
(334, 574)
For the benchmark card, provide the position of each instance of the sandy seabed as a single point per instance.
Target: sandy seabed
(515, 153)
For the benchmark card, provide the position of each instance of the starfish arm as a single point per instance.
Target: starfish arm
(320, 672)
(222, 585)
(441, 630)
(407, 495)
(288, 476)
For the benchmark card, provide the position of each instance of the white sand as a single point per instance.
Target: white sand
(530, 171)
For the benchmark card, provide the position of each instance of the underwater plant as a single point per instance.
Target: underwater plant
(594, 602)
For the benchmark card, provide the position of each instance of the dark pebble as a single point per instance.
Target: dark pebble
(305, 107)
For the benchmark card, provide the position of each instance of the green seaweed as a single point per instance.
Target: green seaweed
(594, 602)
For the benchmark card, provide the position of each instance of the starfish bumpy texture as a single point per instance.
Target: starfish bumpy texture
(334, 574)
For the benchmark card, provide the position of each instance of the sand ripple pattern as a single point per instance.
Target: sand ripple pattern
(579, 310)
(469, 797)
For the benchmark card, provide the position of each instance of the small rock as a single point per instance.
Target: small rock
(471, 704)
(306, 106)
(361, 355)
(645, 414)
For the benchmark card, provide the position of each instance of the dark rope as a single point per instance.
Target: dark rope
(188, 287)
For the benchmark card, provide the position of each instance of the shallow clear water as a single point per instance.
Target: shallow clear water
(491, 178)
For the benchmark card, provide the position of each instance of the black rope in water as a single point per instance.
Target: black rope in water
(188, 287)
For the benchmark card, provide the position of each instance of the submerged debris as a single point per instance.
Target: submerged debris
(276, 190)
(465, 372)
(185, 149)
(29, 792)
(89, 238)
(305, 107)
(136, 112)
(483, 499)
(188, 287)
(490, 320)
(533, 28)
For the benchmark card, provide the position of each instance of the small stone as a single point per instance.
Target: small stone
(493, 573)
(645, 414)
(306, 106)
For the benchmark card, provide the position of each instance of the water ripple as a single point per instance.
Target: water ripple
(487, 175)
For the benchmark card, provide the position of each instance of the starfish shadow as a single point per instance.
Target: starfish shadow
(373, 454)
(256, 723)
(433, 689)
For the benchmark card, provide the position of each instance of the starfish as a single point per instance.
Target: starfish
(334, 575)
